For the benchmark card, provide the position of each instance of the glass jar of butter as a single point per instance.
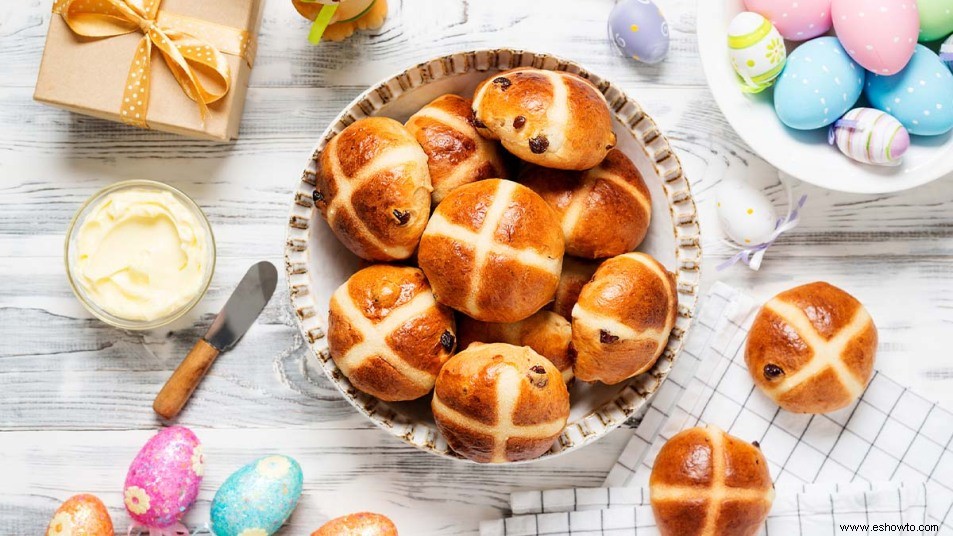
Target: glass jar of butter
(139, 254)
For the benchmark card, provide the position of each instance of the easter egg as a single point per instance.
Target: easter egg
(920, 96)
(746, 215)
(936, 19)
(639, 30)
(81, 515)
(879, 34)
(756, 50)
(272, 484)
(163, 480)
(946, 52)
(360, 524)
(797, 20)
(819, 84)
(871, 137)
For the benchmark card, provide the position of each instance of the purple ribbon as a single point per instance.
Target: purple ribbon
(752, 256)
(841, 123)
(946, 56)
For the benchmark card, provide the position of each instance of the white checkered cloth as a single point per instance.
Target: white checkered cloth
(807, 510)
(710, 384)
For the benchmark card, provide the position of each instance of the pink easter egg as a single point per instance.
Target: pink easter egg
(881, 35)
(797, 20)
(163, 480)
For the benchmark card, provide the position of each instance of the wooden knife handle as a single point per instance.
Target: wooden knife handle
(176, 392)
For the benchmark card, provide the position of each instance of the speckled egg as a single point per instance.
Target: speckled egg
(936, 19)
(163, 480)
(797, 20)
(879, 34)
(272, 484)
(920, 96)
(81, 515)
(639, 30)
(746, 215)
(756, 51)
(819, 84)
(871, 137)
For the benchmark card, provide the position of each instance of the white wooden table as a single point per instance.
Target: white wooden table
(75, 395)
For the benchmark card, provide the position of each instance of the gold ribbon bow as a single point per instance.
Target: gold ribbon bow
(192, 48)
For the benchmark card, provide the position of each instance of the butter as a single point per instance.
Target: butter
(141, 254)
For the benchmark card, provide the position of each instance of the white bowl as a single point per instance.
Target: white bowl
(317, 263)
(804, 155)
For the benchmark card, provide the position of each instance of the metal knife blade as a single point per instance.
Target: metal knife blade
(243, 306)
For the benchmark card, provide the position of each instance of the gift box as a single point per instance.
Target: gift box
(179, 66)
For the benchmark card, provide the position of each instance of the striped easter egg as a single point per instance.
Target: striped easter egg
(871, 136)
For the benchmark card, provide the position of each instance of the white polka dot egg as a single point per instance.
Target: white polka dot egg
(756, 50)
(920, 96)
(745, 214)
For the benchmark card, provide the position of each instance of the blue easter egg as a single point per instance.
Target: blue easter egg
(920, 96)
(820, 83)
(258, 498)
(639, 30)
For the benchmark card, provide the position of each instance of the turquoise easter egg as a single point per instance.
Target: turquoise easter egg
(819, 83)
(920, 96)
(258, 498)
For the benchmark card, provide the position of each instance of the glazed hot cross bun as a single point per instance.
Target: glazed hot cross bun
(493, 250)
(547, 333)
(576, 273)
(604, 211)
(811, 349)
(621, 323)
(705, 482)
(550, 118)
(497, 403)
(388, 334)
(457, 153)
(373, 188)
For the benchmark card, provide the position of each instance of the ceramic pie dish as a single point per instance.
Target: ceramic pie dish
(317, 263)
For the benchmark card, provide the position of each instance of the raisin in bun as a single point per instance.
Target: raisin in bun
(360, 524)
(604, 211)
(576, 273)
(493, 250)
(549, 118)
(373, 188)
(623, 318)
(497, 403)
(457, 154)
(388, 334)
(811, 349)
(547, 333)
(705, 482)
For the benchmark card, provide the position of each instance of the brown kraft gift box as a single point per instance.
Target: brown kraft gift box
(89, 75)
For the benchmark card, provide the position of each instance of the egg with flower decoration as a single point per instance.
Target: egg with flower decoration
(756, 51)
(639, 30)
(272, 483)
(81, 515)
(163, 481)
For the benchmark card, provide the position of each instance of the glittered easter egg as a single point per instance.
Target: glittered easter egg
(746, 215)
(920, 96)
(879, 34)
(756, 51)
(272, 484)
(81, 515)
(819, 84)
(871, 137)
(936, 19)
(163, 480)
(797, 20)
(639, 30)
(359, 524)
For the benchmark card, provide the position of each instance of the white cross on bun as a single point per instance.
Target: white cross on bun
(496, 403)
(811, 349)
(623, 318)
(457, 153)
(388, 334)
(604, 211)
(373, 188)
(705, 482)
(554, 119)
(493, 250)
